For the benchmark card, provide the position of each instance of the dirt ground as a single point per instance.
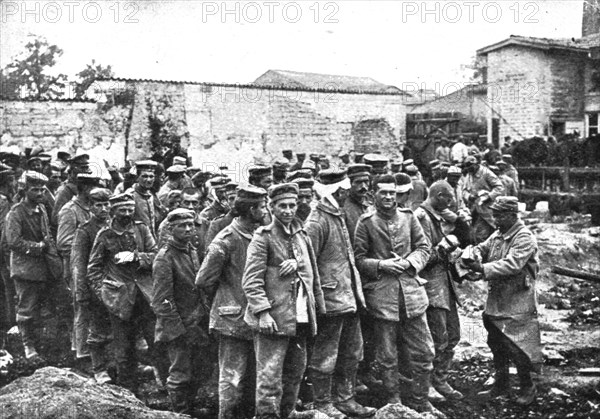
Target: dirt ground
(569, 315)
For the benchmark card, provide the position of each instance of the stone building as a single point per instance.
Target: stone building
(543, 87)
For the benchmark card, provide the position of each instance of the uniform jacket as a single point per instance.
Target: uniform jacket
(118, 285)
(216, 226)
(221, 275)
(73, 214)
(440, 288)
(148, 208)
(25, 229)
(198, 234)
(64, 194)
(382, 235)
(510, 264)
(340, 280)
(80, 255)
(213, 210)
(510, 187)
(353, 209)
(418, 194)
(482, 180)
(5, 205)
(266, 290)
(176, 300)
(163, 192)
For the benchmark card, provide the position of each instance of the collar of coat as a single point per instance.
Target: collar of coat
(119, 231)
(325, 206)
(426, 205)
(80, 204)
(143, 192)
(295, 226)
(516, 227)
(185, 247)
(242, 231)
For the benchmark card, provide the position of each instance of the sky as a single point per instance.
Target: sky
(401, 43)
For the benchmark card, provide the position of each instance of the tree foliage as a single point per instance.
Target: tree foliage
(89, 75)
(27, 75)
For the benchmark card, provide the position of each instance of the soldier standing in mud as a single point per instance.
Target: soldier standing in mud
(508, 260)
(222, 272)
(282, 286)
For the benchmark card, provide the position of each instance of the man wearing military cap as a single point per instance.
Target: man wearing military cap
(357, 203)
(281, 284)
(222, 270)
(78, 164)
(510, 170)
(72, 215)
(220, 201)
(378, 163)
(280, 169)
(175, 151)
(391, 249)
(89, 305)
(508, 261)
(305, 197)
(288, 154)
(344, 160)
(478, 189)
(396, 166)
(300, 157)
(222, 221)
(148, 208)
(358, 158)
(176, 179)
(180, 307)
(418, 193)
(511, 188)
(260, 176)
(120, 273)
(299, 174)
(338, 346)
(29, 239)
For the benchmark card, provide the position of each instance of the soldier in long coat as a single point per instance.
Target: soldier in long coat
(391, 249)
(508, 260)
(221, 274)
(282, 286)
(338, 346)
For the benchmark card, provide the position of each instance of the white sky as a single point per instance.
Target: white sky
(394, 42)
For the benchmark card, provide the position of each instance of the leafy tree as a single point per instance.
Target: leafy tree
(27, 73)
(89, 75)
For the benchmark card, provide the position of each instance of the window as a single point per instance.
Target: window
(592, 124)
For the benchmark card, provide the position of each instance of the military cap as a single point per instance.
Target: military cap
(63, 155)
(376, 160)
(250, 194)
(304, 184)
(100, 195)
(31, 176)
(45, 157)
(309, 164)
(501, 164)
(179, 160)
(344, 154)
(11, 159)
(201, 176)
(219, 182)
(359, 170)
(180, 215)
(259, 171)
(445, 164)
(33, 158)
(358, 157)
(80, 159)
(454, 171)
(87, 179)
(231, 186)
(396, 164)
(315, 157)
(142, 165)
(283, 191)
(407, 162)
(122, 199)
(176, 168)
(299, 174)
(36, 150)
(507, 158)
(494, 169)
(506, 204)
(411, 169)
(469, 161)
(58, 165)
(403, 182)
(280, 165)
(332, 176)
(433, 163)
(287, 151)
(301, 155)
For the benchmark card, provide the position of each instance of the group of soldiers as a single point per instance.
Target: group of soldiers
(309, 272)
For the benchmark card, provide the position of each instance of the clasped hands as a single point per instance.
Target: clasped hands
(396, 265)
(124, 257)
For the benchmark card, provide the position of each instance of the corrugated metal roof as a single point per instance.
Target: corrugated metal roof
(256, 86)
(572, 44)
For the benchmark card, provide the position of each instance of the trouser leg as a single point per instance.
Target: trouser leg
(270, 353)
(180, 375)
(419, 345)
(124, 335)
(294, 367)
(386, 355)
(350, 353)
(99, 335)
(499, 353)
(235, 358)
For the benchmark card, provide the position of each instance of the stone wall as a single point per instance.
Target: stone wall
(73, 126)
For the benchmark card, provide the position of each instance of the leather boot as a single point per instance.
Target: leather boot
(180, 402)
(28, 337)
(321, 384)
(439, 377)
(390, 383)
(418, 399)
(346, 403)
(528, 389)
(501, 386)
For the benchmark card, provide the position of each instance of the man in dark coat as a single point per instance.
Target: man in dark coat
(178, 306)
(91, 306)
(338, 346)
(78, 164)
(442, 313)
(120, 273)
(222, 271)
(148, 208)
(508, 260)
(282, 286)
(391, 249)
(7, 287)
(357, 203)
(29, 239)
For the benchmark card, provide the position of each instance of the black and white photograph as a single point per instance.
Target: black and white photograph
(310, 209)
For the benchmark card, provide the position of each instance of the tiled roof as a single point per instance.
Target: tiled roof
(571, 44)
(297, 79)
(32, 99)
(394, 91)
